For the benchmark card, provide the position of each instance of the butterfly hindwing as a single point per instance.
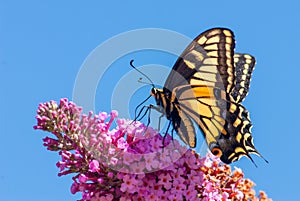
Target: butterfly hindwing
(198, 102)
(184, 126)
(244, 65)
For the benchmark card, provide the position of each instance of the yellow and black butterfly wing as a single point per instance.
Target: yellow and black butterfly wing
(211, 55)
(244, 65)
(200, 80)
(199, 87)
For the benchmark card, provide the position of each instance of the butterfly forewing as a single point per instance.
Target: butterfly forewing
(210, 54)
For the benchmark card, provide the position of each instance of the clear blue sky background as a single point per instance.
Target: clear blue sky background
(44, 43)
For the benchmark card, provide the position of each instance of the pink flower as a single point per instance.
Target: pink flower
(137, 167)
(128, 163)
(94, 166)
(129, 184)
(82, 178)
(191, 193)
(152, 197)
(195, 177)
(178, 187)
(151, 161)
(125, 199)
(175, 197)
(165, 180)
(143, 191)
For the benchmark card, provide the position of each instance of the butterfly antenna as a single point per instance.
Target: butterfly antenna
(151, 83)
(131, 64)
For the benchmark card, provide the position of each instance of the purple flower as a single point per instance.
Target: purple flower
(94, 166)
(129, 184)
(128, 162)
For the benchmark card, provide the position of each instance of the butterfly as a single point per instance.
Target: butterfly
(207, 85)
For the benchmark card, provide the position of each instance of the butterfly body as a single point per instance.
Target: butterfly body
(207, 85)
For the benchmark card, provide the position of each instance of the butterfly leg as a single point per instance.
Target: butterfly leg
(139, 117)
(149, 114)
(139, 105)
(143, 112)
(166, 133)
(172, 135)
(159, 120)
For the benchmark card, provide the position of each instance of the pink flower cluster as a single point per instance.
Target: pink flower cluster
(132, 161)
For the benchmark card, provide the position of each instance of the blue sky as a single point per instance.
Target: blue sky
(43, 45)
